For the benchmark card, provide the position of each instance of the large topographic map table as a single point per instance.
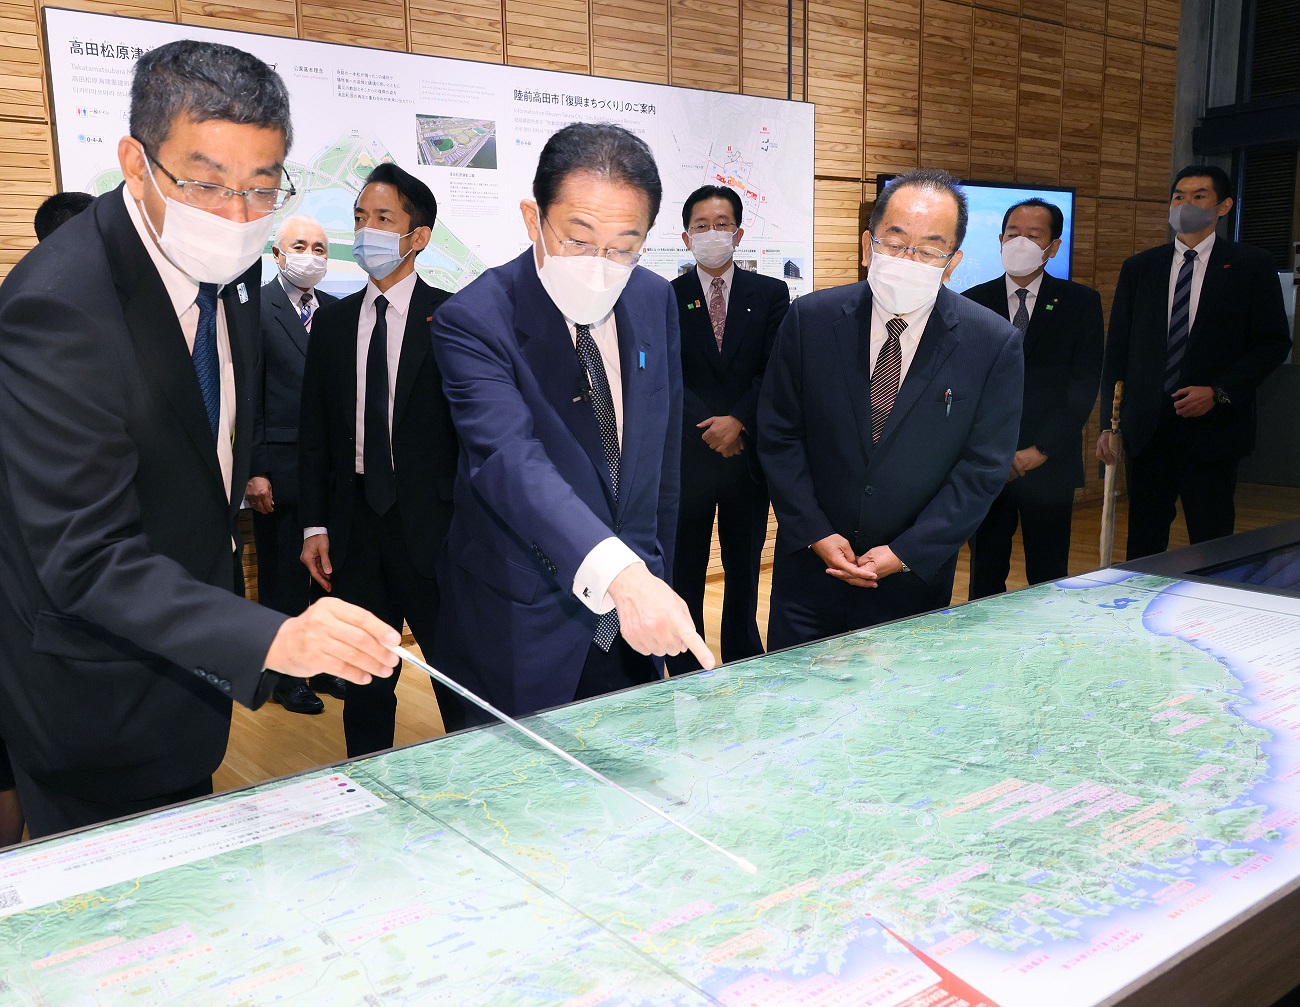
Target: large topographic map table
(1034, 799)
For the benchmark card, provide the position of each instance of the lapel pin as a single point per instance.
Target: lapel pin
(1049, 307)
(641, 361)
(242, 291)
(429, 319)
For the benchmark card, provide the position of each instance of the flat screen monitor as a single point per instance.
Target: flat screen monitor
(981, 251)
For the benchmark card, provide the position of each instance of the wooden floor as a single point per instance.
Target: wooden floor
(272, 742)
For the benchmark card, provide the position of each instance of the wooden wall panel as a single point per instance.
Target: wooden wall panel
(554, 36)
(836, 58)
(27, 174)
(1083, 261)
(1114, 244)
(156, 10)
(22, 91)
(1121, 115)
(1150, 223)
(1081, 106)
(891, 132)
(268, 17)
(1162, 22)
(995, 68)
(837, 249)
(706, 43)
(946, 39)
(1125, 18)
(1156, 134)
(1087, 15)
(1038, 132)
(630, 41)
(377, 23)
(763, 62)
(464, 28)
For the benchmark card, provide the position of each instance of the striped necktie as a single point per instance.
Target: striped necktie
(885, 377)
(1180, 322)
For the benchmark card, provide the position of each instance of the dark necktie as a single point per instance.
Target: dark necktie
(885, 376)
(602, 403)
(1021, 321)
(717, 310)
(377, 456)
(1180, 321)
(304, 310)
(206, 365)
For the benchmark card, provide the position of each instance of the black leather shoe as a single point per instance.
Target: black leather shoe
(295, 697)
(331, 685)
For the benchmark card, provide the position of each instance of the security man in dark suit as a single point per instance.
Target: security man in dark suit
(886, 424)
(289, 302)
(1062, 327)
(1195, 328)
(124, 641)
(377, 451)
(729, 318)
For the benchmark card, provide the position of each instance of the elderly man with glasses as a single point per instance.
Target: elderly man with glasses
(887, 423)
(128, 351)
(563, 371)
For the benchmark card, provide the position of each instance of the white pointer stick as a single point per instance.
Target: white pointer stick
(460, 690)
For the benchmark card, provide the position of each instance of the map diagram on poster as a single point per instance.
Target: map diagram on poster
(1035, 798)
(471, 131)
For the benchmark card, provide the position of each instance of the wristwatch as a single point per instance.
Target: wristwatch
(903, 567)
(1221, 397)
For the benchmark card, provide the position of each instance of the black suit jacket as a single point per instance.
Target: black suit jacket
(123, 642)
(284, 354)
(1062, 366)
(1239, 336)
(944, 452)
(423, 439)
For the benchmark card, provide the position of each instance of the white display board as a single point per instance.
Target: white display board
(471, 131)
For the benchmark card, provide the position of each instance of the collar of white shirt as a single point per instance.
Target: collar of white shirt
(706, 280)
(916, 320)
(182, 290)
(1013, 286)
(295, 292)
(1202, 250)
(398, 295)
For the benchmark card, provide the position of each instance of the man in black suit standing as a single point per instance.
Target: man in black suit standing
(289, 302)
(729, 319)
(128, 345)
(1195, 328)
(377, 450)
(886, 424)
(1062, 327)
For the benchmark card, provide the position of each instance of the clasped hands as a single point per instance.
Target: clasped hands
(722, 434)
(866, 570)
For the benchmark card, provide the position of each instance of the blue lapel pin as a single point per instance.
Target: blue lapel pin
(242, 291)
(641, 361)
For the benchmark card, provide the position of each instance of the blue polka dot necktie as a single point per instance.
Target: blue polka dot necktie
(206, 365)
(602, 403)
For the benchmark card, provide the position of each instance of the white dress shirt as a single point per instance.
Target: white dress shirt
(294, 294)
(907, 342)
(1013, 299)
(184, 294)
(399, 302)
(706, 281)
(1198, 275)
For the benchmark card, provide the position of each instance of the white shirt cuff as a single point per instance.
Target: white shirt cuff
(607, 560)
(309, 532)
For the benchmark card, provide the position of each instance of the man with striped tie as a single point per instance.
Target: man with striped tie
(289, 301)
(886, 424)
(1195, 328)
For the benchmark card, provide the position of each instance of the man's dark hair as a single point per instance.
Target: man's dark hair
(1219, 179)
(600, 148)
(1058, 218)
(205, 81)
(711, 192)
(417, 199)
(59, 209)
(924, 178)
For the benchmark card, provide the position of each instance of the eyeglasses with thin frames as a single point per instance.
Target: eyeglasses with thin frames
(213, 196)
(621, 256)
(930, 256)
(704, 228)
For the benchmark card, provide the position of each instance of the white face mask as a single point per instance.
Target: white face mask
(378, 252)
(901, 285)
(1021, 256)
(203, 246)
(713, 249)
(584, 287)
(303, 269)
